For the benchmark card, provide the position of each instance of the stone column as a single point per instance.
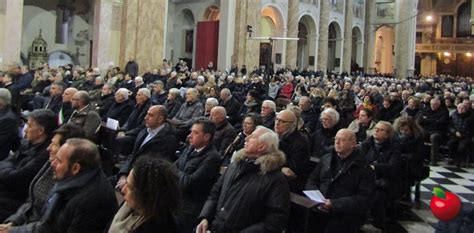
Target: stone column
(472, 17)
(347, 41)
(369, 32)
(405, 39)
(144, 32)
(226, 34)
(247, 51)
(292, 45)
(323, 36)
(107, 25)
(11, 24)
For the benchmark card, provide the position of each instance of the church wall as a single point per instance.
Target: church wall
(35, 18)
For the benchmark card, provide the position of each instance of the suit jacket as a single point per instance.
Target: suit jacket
(163, 144)
(88, 119)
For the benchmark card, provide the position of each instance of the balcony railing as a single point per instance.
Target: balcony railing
(439, 48)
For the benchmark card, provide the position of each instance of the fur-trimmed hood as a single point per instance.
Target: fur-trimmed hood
(268, 162)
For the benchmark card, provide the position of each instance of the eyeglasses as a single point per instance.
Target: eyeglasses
(282, 121)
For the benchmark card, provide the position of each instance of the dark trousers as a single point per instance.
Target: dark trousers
(458, 148)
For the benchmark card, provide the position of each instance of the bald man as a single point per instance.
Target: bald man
(346, 181)
(296, 148)
(225, 132)
(157, 139)
(66, 109)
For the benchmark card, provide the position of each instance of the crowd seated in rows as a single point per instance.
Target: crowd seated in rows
(240, 143)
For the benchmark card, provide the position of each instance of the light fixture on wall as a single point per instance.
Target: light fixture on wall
(447, 54)
(468, 54)
(429, 18)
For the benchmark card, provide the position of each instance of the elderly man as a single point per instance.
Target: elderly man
(198, 167)
(8, 125)
(231, 105)
(18, 169)
(267, 113)
(347, 182)
(84, 115)
(82, 199)
(225, 132)
(158, 136)
(310, 117)
(211, 102)
(461, 128)
(121, 108)
(173, 102)
(384, 157)
(135, 121)
(190, 109)
(159, 94)
(434, 121)
(252, 195)
(296, 148)
(66, 109)
(106, 99)
(323, 138)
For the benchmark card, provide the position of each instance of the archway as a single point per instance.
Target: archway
(356, 55)
(212, 13)
(334, 47)
(307, 42)
(60, 58)
(183, 38)
(271, 25)
(384, 48)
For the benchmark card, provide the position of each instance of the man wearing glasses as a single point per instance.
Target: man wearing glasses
(296, 148)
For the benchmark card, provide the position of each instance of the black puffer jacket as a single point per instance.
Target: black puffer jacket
(462, 123)
(433, 121)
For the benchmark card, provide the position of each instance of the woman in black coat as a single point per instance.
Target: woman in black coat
(151, 197)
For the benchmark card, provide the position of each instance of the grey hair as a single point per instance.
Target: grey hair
(331, 113)
(174, 91)
(213, 101)
(226, 91)
(123, 91)
(5, 96)
(270, 104)
(145, 91)
(269, 137)
(138, 79)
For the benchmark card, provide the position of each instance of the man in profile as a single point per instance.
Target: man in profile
(253, 194)
(82, 199)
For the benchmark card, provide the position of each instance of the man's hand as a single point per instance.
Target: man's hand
(288, 172)
(458, 134)
(121, 182)
(203, 226)
(121, 134)
(327, 204)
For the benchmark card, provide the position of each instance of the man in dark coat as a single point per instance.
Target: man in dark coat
(347, 183)
(55, 100)
(158, 136)
(17, 171)
(198, 167)
(106, 99)
(384, 157)
(434, 121)
(225, 132)
(82, 199)
(231, 105)
(267, 113)
(296, 148)
(8, 125)
(121, 108)
(84, 115)
(461, 129)
(252, 195)
(131, 67)
(308, 114)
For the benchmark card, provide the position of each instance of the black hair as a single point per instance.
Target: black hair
(46, 119)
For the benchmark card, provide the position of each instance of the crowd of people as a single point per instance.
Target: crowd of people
(199, 150)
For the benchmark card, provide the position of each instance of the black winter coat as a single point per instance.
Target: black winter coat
(224, 135)
(9, 136)
(462, 123)
(119, 111)
(387, 164)
(350, 188)
(433, 121)
(136, 120)
(245, 200)
(296, 148)
(232, 108)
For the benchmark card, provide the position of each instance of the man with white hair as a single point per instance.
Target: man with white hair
(323, 138)
(255, 180)
(296, 148)
(231, 105)
(225, 132)
(211, 102)
(189, 110)
(121, 108)
(139, 83)
(8, 125)
(268, 113)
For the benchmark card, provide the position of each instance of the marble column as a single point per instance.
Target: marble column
(107, 35)
(405, 33)
(292, 26)
(472, 17)
(226, 34)
(144, 32)
(11, 24)
(347, 41)
(323, 36)
(247, 51)
(369, 32)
